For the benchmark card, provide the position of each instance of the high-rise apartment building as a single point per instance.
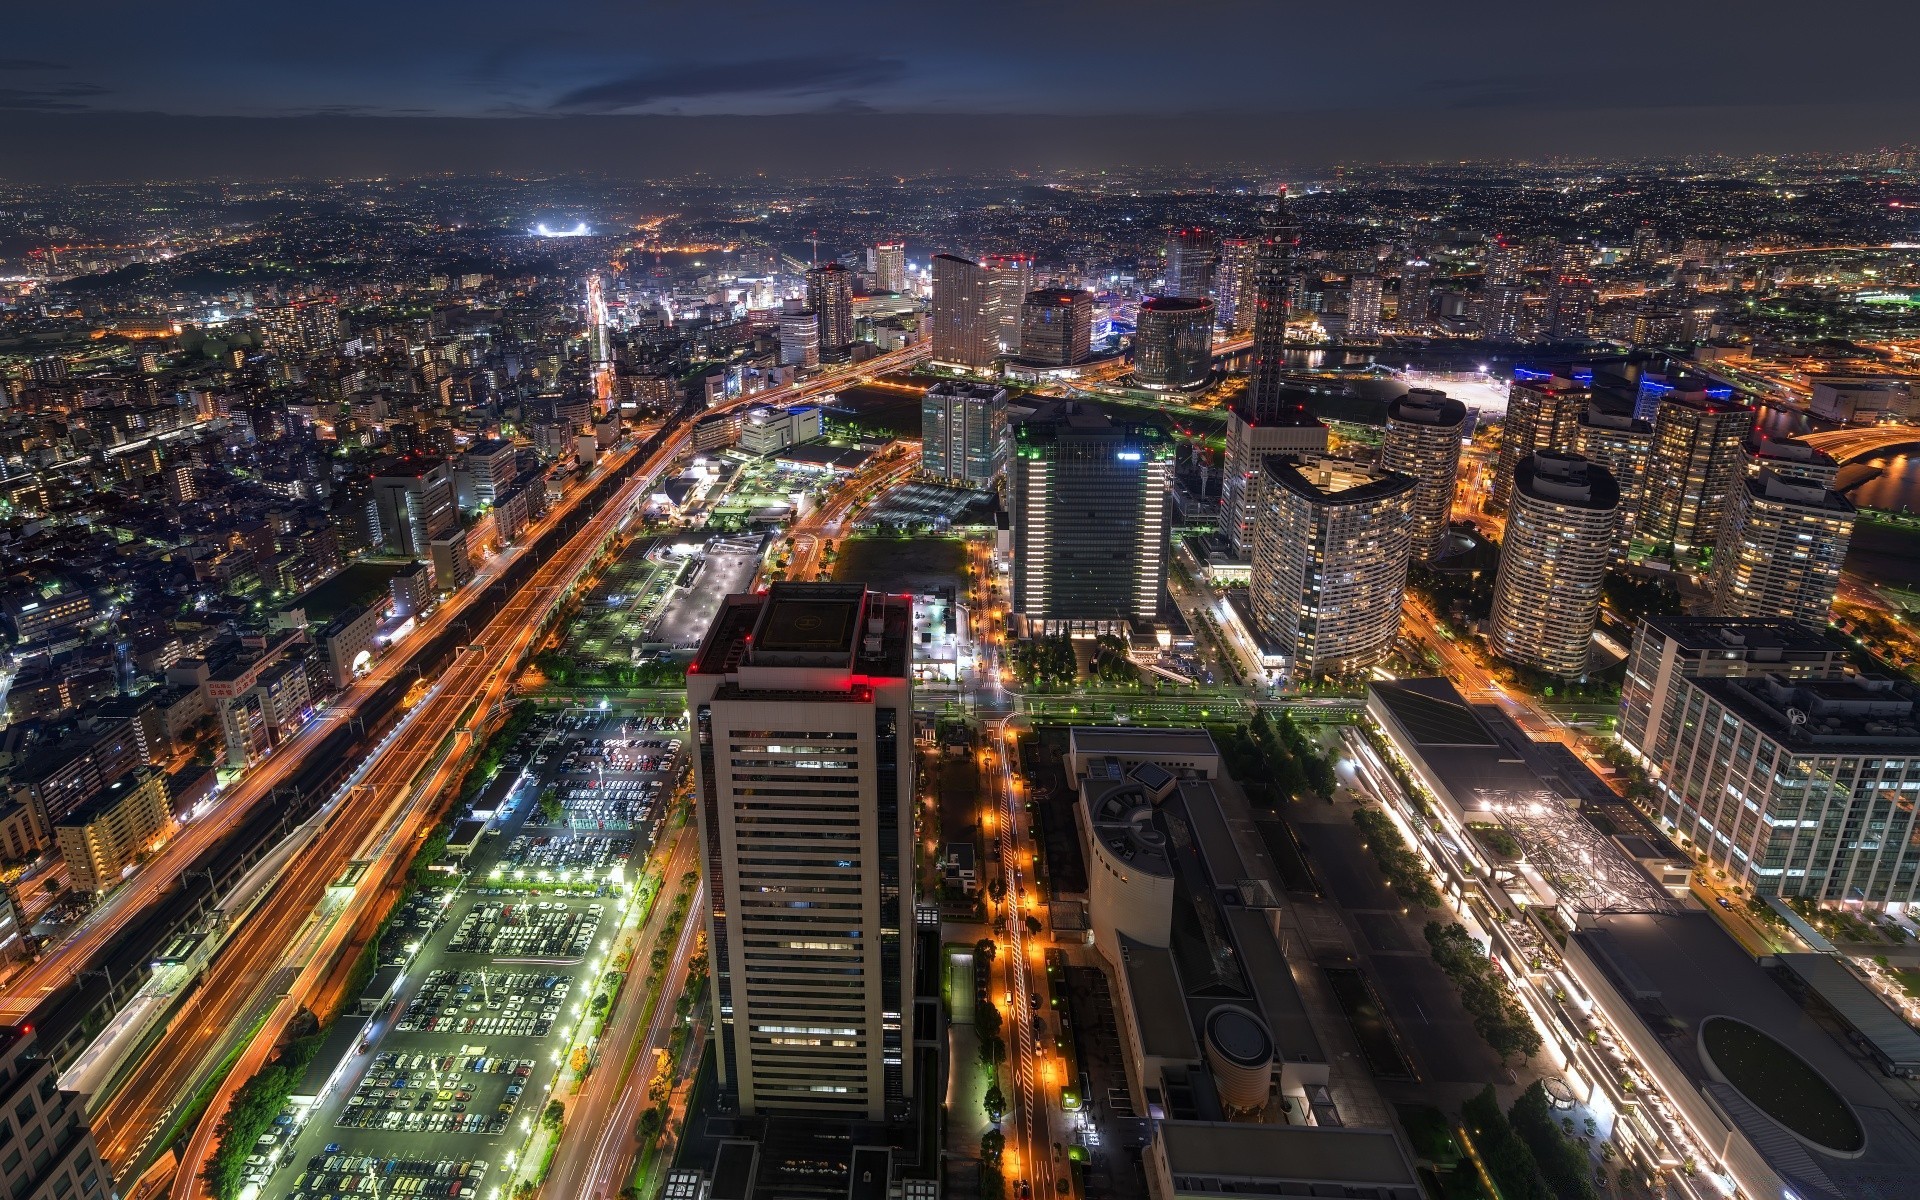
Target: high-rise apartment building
(1173, 343)
(1293, 430)
(964, 334)
(301, 328)
(1543, 413)
(802, 704)
(964, 439)
(1570, 307)
(1553, 563)
(1088, 503)
(47, 1151)
(1423, 443)
(1780, 552)
(890, 267)
(1363, 308)
(1332, 540)
(1503, 312)
(1056, 327)
(105, 836)
(799, 335)
(1699, 457)
(1416, 296)
(1622, 444)
(1009, 278)
(1192, 255)
(1233, 284)
(830, 296)
(413, 495)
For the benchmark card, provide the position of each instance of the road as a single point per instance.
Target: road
(897, 464)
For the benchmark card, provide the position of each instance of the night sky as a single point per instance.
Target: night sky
(111, 89)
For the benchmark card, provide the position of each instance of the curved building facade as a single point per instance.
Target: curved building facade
(1331, 543)
(1173, 343)
(1423, 441)
(1560, 536)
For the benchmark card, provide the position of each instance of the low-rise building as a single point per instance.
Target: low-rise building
(106, 835)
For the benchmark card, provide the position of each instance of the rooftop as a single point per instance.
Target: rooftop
(1330, 481)
(1826, 716)
(1754, 638)
(1243, 1159)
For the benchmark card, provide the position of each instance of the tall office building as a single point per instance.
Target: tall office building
(1268, 394)
(413, 495)
(1009, 278)
(799, 335)
(964, 440)
(802, 703)
(1416, 296)
(1056, 327)
(1622, 444)
(1543, 413)
(1553, 562)
(1780, 552)
(1249, 443)
(1192, 255)
(1332, 540)
(890, 267)
(1699, 457)
(963, 333)
(1233, 284)
(1173, 343)
(1363, 308)
(1088, 505)
(830, 296)
(1423, 443)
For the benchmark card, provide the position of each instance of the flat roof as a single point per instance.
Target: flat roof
(1159, 1004)
(1237, 1157)
(1893, 1040)
(1125, 740)
(822, 619)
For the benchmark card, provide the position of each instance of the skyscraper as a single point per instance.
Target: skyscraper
(963, 433)
(1089, 522)
(1699, 457)
(1173, 343)
(1543, 413)
(302, 327)
(1621, 444)
(413, 495)
(1423, 443)
(1332, 540)
(1571, 302)
(1268, 395)
(830, 296)
(890, 267)
(963, 332)
(1009, 279)
(1233, 284)
(1416, 296)
(1363, 308)
(1553, 562)
(802, 704)
(799, 335)
(1191, 257)
(1780, 553)
(1293, 431)
(1056, 327)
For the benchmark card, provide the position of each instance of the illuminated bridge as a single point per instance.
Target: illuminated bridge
(1845, 445)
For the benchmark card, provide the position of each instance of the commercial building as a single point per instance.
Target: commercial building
(1269, 396)
(1088, 506)
(1173, 343)
(1251, 439)
(1622, 444)
(493, 463)
(1543, 413)
(1332, 540)
(1423, 442)
(1056, 327)
(452, 561)
(830, 296)
(1781, 550)
(103, 837)
(1233, 284)
(413, 495)
(799, 335)
(1667, 650)
(964, 334)
(964, 440)
(1009, 278)
(890, 267)
(1553, 562)
(802, 706)
(1192, 255)
(1862, 401)
(1698, 459)
(765, 431)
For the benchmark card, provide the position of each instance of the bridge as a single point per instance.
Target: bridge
(1845, 445)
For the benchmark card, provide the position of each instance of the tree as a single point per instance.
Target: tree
(985, 949)
(995, 1102)
(649, 1123)
(1033, 926)
(553, 1114)
(993, 1144)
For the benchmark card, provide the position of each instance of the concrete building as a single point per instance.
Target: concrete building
(414, 497)
(802, 706)
(964, 334)
(346, 642)
(1009, 278)
(261, 700)
(1862, 401)
(47, 1151)
(799, 336)
(1363, 308)
(1192, 255)
(1543, 413)
(830, 296)
(1781, 550)
(103, 837)
(964, 439)
(1667, 650)
(493, 463)
(1332, 540)
(1233, 284)
(1056, 327)
(890, 267)
(1173, 343)
(1251, 439)
(1620, 443)
(1553, 562)
(1088, 506)
(452, 560)
(1698, 459)
(1423, 442)
(1791, 460)
(766, 431)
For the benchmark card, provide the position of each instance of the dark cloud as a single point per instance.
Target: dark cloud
(763, 77)
(65, 97)
(30, 64)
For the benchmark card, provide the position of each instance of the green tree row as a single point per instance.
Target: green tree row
(1405, 873)
(252, 1111)
(1489, 999)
